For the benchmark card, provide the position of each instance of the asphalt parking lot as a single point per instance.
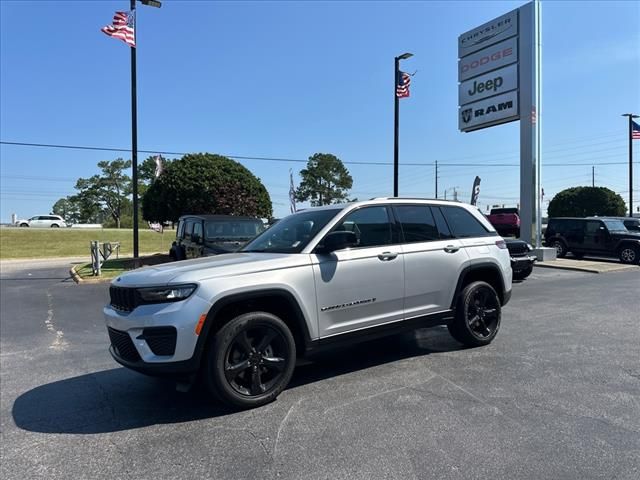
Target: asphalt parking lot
(556, 396)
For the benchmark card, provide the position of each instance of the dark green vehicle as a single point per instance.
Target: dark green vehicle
(207, 235)
(599, 236)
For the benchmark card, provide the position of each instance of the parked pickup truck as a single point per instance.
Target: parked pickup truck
(506, 221)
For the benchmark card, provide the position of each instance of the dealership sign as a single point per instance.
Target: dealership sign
(488, 85)
(489, 112)
(488, 74)
(495, 56)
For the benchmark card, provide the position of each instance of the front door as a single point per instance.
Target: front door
(595, 236)
(362, 286)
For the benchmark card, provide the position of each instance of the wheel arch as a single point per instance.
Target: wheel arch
(486, 272)
(279, 302)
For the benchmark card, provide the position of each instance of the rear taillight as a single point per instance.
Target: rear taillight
(501, 244)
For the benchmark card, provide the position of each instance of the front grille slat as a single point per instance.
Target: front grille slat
(123, 345)
(123, 299)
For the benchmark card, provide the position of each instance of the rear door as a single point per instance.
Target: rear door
(362, 286)
(433, 259)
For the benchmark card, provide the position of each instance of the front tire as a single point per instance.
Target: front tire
(22, 225)
(629, 254)
(55, 225)
(522, 274)
(250, 360)
(478, 315)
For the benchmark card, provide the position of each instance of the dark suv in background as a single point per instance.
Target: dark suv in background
(601, 236)
(206, 235)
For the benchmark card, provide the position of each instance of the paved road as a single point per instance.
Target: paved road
(556, 396)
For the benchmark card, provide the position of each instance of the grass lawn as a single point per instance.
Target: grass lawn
(71, 242)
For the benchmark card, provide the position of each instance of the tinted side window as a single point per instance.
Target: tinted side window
(593, 226)
(197, 229)
(417, 223)
(371, 225)
(188, 229)
(462, 223)
(443, 228)
(180, 232)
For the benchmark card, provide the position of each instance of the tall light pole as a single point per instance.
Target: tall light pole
(396, 101)
(134, 125)
(630, 133)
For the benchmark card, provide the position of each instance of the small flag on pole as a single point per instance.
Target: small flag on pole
(292, 193)
(635, 131)
(159, 167)
(403, 81)
(123, 27)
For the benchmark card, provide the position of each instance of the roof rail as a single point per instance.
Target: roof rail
(414, 198)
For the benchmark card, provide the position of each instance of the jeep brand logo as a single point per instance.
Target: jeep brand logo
(466, 115)
(493, 84)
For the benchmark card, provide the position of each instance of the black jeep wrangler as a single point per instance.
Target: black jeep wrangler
(206, 235)
(599, 236)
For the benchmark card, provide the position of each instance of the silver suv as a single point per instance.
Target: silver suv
(322, 277)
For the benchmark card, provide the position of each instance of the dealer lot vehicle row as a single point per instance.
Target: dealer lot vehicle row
(321, 277)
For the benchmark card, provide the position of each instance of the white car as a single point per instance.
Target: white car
(43, 221)
(321, 277)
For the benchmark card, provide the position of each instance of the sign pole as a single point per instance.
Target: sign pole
(530, 123)
(134, 138)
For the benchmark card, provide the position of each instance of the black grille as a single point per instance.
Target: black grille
(517, 248)
(123, 299)
(161, 340)
(123, 346)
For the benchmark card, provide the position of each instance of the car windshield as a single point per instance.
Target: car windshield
(231, 230)
(292, 234)
(615, 225)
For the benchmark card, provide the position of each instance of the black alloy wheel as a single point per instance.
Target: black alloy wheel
(478, 315)
(629, 254)
(251, 360)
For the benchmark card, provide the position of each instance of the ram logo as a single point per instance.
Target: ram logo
(466, 115)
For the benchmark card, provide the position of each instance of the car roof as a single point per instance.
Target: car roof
(386, 200)
(222, 217)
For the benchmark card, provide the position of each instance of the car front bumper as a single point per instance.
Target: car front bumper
(521, 263)
(133, 347)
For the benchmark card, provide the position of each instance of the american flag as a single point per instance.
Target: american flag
(159, 166)
(123, 27)
(402, 84)
(635, 130)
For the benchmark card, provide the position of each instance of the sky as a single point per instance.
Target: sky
(290, 79)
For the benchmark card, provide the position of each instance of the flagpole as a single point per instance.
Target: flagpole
(134, 135)
(396, 107)
(631, 117)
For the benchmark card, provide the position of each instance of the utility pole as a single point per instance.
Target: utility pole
(593, 176)
(630, 133)
(436, 178)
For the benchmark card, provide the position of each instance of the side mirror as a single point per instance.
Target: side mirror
(338, 241)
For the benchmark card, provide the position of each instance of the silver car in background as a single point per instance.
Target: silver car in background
(43, 221)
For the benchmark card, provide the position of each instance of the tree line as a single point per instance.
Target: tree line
(197, 183)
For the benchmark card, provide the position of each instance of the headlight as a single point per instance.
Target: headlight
(171, 293)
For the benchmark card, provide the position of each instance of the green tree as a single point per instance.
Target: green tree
(325, 181)
(68, 209)
(205, 183)
(586, 201)
(107, 190)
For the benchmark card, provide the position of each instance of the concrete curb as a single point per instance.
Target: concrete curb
(590, 267)
(78, 279)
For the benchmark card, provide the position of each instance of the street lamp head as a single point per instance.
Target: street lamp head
(151, 3)
(404, 56)
(630, 115)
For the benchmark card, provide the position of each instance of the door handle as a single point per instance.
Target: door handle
(451, 249)
(386, 256)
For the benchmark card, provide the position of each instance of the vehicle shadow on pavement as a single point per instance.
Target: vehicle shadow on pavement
(119, 399)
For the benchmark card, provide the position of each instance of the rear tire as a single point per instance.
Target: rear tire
(561, 248)
(478, 314)
(629, 254)
(24, 225)
(250, 360)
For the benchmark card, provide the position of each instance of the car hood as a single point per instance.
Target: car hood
(228, 264)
